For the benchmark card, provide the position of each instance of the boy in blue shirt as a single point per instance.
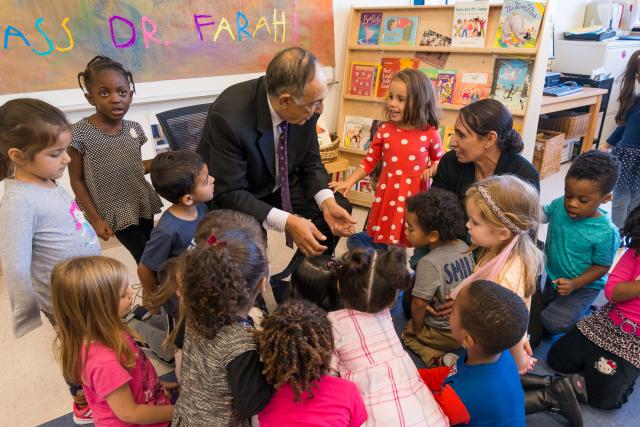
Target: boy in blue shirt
(488, 319)
(581, 241)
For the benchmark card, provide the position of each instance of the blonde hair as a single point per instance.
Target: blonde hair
(85, 294)
(519, 202)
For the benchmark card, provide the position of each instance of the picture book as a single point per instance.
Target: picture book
(324, 139)
(160, 142)
(370, 24)
(431, 38)
(470, 23)
(364, 185)
(437, 59)
(510, 84)
(357, 131)
(364, 78)
(390, 66)
(519, 23)
(445, 85)
(445, 135)
(471, 87)
(432, 74)
(399, 30)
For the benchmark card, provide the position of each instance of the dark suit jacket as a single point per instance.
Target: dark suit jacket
(237, 145)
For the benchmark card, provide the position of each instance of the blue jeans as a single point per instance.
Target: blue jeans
(624, 201)
(561, 313)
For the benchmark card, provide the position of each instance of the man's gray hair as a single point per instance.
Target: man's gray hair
(290, 71)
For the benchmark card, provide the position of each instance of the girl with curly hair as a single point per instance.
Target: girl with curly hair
(222, 382)
(367, 350)
(296, 344)
(605, 346)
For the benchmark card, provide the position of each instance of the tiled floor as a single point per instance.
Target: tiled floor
(32, 388)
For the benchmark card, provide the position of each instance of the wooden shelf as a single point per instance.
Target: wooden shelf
(353, 150)
(449, 49)
(359, 198)
(452, 107)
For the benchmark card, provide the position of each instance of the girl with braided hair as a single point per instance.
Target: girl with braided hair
(221, 381)
(296, 344)
(367, 350)
(106, 169)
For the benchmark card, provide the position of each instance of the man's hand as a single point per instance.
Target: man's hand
(338, 219)
(565, 286)
(305, 235)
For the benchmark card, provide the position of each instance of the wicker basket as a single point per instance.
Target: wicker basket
(330, 152)
(571, 126)
(547, 153)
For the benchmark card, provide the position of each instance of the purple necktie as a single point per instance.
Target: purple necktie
(283, 170)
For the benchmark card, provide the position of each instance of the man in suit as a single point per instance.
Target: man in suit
(261, 146)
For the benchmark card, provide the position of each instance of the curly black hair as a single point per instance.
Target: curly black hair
(315, 280)
(438, 210)
(495, 317)
(596, 166)
(174, 173)
(630, 232)
(220, 281)
(296, 343)
(98, 64)
(369, 280)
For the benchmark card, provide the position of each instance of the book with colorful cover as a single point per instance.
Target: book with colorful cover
(445, 85)
(445, 135)
(390, 66)
(436, 59)
(471, 87)
(519, 24)
(370, 25)
(470, 23)
(432, 38)
(511, 79)
(364, 79)
(432, 74)
(399, 30)
(357, 131)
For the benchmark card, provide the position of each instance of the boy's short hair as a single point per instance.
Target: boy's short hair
(596, 166)
(495, 317)
(174, 173)
(438, 210)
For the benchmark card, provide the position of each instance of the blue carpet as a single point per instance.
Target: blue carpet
(622, 417)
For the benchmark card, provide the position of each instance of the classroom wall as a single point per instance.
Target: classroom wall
(143, 111)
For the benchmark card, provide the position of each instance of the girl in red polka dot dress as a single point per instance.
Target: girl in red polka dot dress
(409, 146)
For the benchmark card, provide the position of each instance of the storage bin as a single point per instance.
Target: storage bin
(547, 152)
(574, 126)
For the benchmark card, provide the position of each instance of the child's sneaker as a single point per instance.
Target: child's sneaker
(446, 359)
(82, 415)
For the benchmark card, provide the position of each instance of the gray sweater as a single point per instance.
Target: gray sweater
(39, 227)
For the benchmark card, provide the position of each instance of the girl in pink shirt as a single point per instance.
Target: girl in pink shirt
(605, 346)
(90, 296)
(296, 344)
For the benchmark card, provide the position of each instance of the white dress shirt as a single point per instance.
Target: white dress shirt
(277, 218)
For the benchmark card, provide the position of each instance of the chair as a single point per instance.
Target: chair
(183, 127)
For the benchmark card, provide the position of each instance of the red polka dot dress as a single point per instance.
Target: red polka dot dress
(405, 155)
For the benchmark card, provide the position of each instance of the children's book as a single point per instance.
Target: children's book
(432, 74)
(445, 135)
(399, 30)
(519, 23)
(445, 85)
(357, 131)
(437, 59)
(390, 66)
(160, 142)
(364, 185)
(432, 38)
(471, 87)
(470, 23)
(510, 84)
(369, 32)
(364, 78)
(324, 139)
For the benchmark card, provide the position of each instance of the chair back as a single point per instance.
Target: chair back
(183, 127)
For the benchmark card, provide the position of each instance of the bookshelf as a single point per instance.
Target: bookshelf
(438, 18)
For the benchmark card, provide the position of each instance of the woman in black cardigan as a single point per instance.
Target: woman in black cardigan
(484, 144)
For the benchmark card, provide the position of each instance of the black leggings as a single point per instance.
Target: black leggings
(608, 388)
(135, 237)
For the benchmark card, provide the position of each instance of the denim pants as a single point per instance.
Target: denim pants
(561, 313)
(624, 201)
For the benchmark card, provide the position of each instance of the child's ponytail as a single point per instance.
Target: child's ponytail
(368, 280)
(220, 280)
